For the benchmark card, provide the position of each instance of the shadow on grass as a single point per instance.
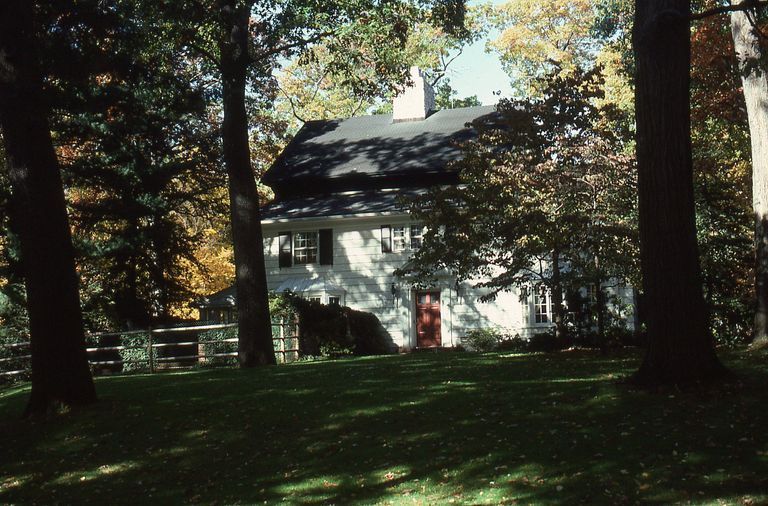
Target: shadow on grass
(436, 428)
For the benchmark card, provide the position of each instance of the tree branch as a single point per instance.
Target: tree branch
(725, 9)
(445, 64)
(293, 105)
(204, 53)
(299, 43)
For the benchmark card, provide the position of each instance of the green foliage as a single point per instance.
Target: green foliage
(135, 355)
(330, 329)
(540, 37)
(722, 183)
(445, 97)
(482, 340)
(139, 155)
(215, 343)
(545, 185)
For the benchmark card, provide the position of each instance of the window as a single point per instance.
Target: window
(401, 238)
(386, 239)
(417, 234)
(334, 301)
(398, 239)
(309, 247)
(541, 306)
(305, 247)
(315, 299)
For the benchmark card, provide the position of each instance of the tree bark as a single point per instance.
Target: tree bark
(60, 371)
(601, 309)
(254, 325)
(754, 78)
(557, 296)
(680, 345)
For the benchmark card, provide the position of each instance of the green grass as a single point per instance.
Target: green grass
(424, 428)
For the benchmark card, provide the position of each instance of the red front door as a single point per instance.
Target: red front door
(427, 319)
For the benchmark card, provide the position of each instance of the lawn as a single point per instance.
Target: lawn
(428, 428)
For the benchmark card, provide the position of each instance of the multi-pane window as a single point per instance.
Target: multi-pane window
(305, 247)
(417, 236)
(541, 306)
(334, 301)
(401, 238)
(386, 239)
(399, 241)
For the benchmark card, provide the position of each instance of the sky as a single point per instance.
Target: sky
(476, 72)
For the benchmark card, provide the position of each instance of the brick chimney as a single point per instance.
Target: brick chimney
(416, 101)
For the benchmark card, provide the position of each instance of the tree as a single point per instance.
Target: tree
(754, 77)
(254, 325)
(243, 41)
(310, 90)
(545, 203)
(680, 345)
(446, 97)
(60, 371)
(140, 157)
(539, 36)
(722, 186)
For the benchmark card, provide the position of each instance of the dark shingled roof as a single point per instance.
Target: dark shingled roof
(222, 299)
(339, 204)
(373, 147)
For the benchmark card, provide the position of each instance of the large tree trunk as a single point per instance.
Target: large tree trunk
(60, 371)
(680, 345)
(755, 83)
(254, 325)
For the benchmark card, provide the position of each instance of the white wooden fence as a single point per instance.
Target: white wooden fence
(158, 354)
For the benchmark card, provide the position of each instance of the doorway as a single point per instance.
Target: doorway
(428, 319)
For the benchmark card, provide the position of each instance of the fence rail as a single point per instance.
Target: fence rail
(155, 350)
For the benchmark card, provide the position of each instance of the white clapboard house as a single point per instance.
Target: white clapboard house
(336, 231)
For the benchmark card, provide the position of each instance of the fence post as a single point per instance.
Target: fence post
(149, 351)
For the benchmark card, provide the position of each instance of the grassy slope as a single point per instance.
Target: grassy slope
(429, 428)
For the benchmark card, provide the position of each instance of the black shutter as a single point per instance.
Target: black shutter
(286, 253)
(386, 239)
(326, 246)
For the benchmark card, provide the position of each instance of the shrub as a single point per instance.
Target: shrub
(215, 343)
(546, 341)
(332, 330)
(136, 355)
(515, 344)
(482, 340)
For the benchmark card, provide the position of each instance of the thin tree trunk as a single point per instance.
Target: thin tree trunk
(600, 306)
(254, 326)
(754, 80)
(557, 296)
(680, 345)
(60, 371)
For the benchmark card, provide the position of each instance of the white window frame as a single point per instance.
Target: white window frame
(416, 237)
(542, 310)
(306, 255)
(400, 240)
(325, 297)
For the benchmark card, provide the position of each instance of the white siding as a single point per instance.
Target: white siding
(367, 275)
